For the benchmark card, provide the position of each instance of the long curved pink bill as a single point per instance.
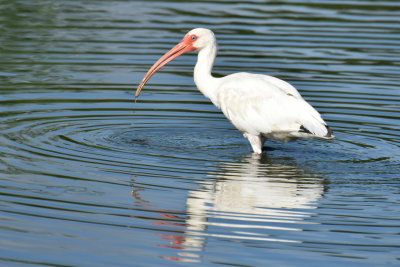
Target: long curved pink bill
(175, 52)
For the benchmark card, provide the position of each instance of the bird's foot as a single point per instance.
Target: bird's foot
(256, 142)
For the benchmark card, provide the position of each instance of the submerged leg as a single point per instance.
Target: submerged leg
(256, 142)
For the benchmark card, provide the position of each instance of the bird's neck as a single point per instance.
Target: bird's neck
(205, 82)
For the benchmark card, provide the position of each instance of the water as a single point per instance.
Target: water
(91, 178)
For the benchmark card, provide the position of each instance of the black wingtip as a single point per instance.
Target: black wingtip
(328, 135)
(304, 130)
(330, 132)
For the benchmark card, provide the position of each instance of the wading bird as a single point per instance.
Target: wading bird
(260, 106)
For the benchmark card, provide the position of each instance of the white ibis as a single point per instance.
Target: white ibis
(260, 106)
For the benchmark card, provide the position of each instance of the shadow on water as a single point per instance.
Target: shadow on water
(253, 199)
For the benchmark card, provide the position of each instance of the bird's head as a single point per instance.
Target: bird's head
(195, 39)
(199, 38)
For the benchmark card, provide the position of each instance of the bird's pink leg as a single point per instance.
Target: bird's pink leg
(256, 142)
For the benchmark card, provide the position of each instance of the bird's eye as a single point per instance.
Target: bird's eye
(194, 37)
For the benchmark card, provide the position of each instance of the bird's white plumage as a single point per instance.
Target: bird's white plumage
(264, 105)
(260, 106)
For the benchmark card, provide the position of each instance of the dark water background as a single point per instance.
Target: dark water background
(90, 178)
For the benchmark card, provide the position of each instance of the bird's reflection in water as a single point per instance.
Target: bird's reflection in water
(252, 200)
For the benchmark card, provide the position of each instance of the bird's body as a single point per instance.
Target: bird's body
(260, 106)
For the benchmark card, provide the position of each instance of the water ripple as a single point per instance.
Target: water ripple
(89, 172)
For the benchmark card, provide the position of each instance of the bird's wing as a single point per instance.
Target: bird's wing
(263, 104)
(282, 85)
